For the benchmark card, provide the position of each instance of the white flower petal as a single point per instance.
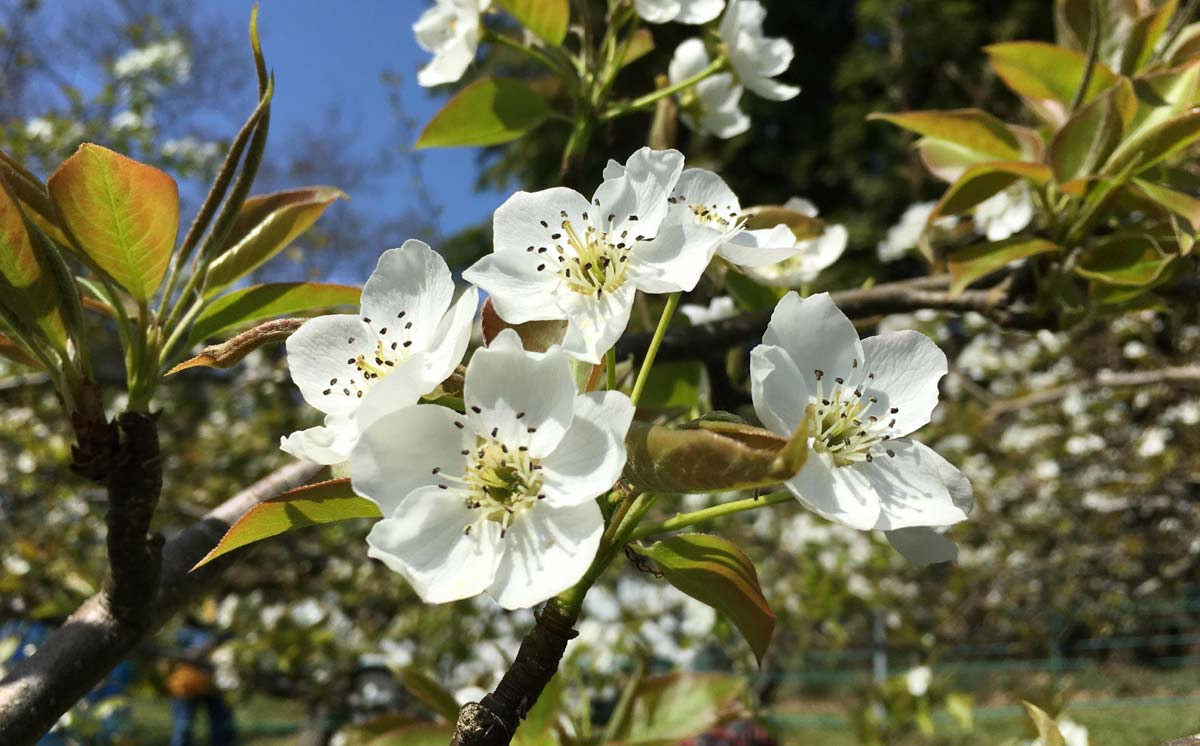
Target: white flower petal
(760, 248)
(911, 487)
(325, 444)
(689, 59)
(777, 389)
(518, 290)
(402, 387)
(546, 551)
(675, 260)
(595, 324)
(802, 205)
(842, 494)
(817, 336)
(317, 357)
(725, 124)
(922, 546)
(641, 192)
(907, 366)
(398, 452)
(697, 186)
(590, 457)
(407, 294)
(699, 11)
(451, 339)
(425, 541)
(771, 90)
(756, 58)
(526, 397)
(657, 11)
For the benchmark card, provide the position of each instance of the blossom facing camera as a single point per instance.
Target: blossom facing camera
(756, 59)
(500, 499)
(558, 256)
(450, 32)
(680, 11)
(712, 104)
(405, 342)
(860, 399)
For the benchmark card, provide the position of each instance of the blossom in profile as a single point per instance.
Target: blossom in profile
(1005, 213)
(719, 308)
(407, 339)
(680, 11)
(859, 399)
(500, 499)
(811, 256)
(559, 256)
(756, 59)
(711, 105)
(450, 32)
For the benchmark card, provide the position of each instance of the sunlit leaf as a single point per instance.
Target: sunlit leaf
(972, 130)
(1184, 205)
(11, 350)
(27, 287)
(1048, 732)
(1046, 76)
(313, 504)
(1143, 36)
(259, 302)
(639, 45)
(124, 215)
(970, 264)
(489, 111)
(546, 18)
(1084, 143)
(716, 572)
(541, 722)
(676, 707)
(1131, 261)
(265, 226)
(673, 386)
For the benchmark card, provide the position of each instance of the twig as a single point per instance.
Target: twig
(1184, 375)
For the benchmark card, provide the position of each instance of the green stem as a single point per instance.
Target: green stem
(1093, 57)
(531, 52)
(610, 368)
(652, 98)
(683, 520)
(652, 351)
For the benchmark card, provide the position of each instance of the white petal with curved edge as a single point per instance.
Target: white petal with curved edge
(922, 546)
(398, 452)
(777, 389)
(771, 90)
(321, 356)
(526, 397)
(407, 295)
(432, 27)
(817, 336)
(802, 205)
(759, 248)
(675, 260)
(699, 11)
(324, 444)
(449, 62)
(842, 494)
(403, 386)
(725, 124)
(689, 59)
(518, 290)
(657, 11)
(450, 340)
(907, 367)
(696, 186)
(595, 324)
(824, 250)
(641, 192)
(517, 224)
(546, 551)
(911, 488)
(590, 457)
(425, 540)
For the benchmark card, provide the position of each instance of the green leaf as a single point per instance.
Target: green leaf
(265, 226)
(11, 350)
(1160, 97)
(749, 294)
(311, 505)
(27, 287)
(1046, 76)
(974, 131)
(1128, 261)
(969, 264)
(540, 726)
(1048, 732)
(260, 302)
(640, 45)
(715, 572)
(1186, 46)
(1143, 36)
(677, 707)
(1184, 205)
(123, 214)
(430, 693)
(546, 18)
(1082, 146)
(673, 386)
(1157, 143)
(490, 111)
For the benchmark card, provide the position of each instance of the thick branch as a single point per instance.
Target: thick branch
(494, 720)
(686, 343)
(93, 640)
(134, 483)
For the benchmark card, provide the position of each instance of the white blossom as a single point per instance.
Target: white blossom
(680, 11)
(864, 396)
(1005, 213)
(903, 236)
(168, 57)
(39, 128)
(406, 341)
(756, 59)
(558, 256)
(501, 499)
(811, 256)
(918, 679)
(721, 307)
(450, 32)
(712, 104)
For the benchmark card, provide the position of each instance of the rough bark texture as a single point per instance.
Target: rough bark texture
(94, 639)
(494, 720)
(134, 483)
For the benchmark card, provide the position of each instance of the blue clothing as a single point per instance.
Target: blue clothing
(220, 720)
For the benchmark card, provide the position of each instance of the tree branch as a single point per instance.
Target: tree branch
(1182, 375)
(134, 483)
(94, 640)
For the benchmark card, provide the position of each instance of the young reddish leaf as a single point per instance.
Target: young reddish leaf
(1084, 143)
(546, 18)
(675, 708)
(1143, 36)
(715, 572)
(490, 111)
(27, 287)
(266, 225)
(230, 353)
(1046, 76)
(969, 264)
(13, 352)
(313, 504)
(972, 130)
(123, 214)
(31, 193)
(1184, 205)
(259, 302)
(1127, 261)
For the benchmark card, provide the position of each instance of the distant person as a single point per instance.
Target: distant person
(192, 686)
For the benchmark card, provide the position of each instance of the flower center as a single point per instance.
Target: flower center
(393, 346)
(840, 425)
(589, 262)
(713, 216)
